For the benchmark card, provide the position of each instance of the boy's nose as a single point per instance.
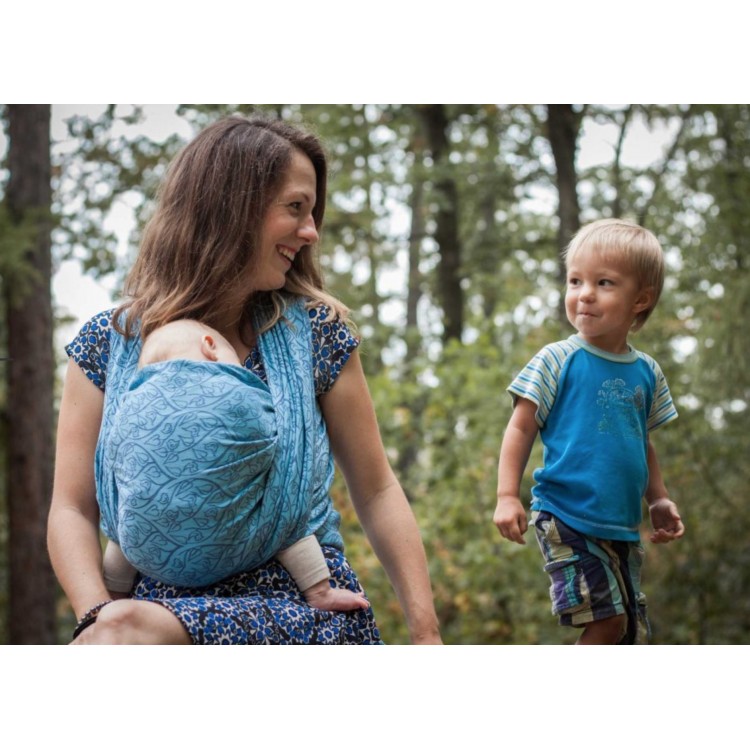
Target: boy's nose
(588, 292)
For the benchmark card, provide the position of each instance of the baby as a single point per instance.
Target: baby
(214, 487)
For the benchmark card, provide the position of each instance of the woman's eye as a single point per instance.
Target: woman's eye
(296, 205)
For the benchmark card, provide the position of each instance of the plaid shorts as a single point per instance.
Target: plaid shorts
(592, 579)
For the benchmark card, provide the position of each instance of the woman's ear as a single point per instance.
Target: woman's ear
(208, 348)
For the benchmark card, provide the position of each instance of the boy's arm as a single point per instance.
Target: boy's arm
(665, 519)
(510, 516)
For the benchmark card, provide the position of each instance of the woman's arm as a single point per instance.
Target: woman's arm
(378, 499)
(73, 527)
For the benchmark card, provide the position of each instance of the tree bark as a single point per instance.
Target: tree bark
(30, 383)
(617, 165)
(414, 290)
(435, 124)
(563, 125)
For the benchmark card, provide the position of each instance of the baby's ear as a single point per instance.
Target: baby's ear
(208, 348)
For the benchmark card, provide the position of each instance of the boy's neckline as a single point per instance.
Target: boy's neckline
(629, 356)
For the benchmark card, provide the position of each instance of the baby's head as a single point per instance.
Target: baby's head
(631, 247)
(186, 339)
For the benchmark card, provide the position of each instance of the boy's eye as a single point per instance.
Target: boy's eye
(573, 282)
(606, 282)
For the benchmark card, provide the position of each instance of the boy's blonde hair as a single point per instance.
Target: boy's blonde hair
(625, 242)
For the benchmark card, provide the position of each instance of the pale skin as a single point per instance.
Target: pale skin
(378, 499)
(602, 301)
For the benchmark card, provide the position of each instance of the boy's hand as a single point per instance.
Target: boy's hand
(510, 518)
(665, 520)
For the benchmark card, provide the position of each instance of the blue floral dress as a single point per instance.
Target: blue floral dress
(264, 605)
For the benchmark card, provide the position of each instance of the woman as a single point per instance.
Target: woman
(231, 244)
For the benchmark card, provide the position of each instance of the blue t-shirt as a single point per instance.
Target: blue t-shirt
(594, 411)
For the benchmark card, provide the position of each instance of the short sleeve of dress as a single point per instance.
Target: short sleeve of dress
(90, 348)
(333, 344)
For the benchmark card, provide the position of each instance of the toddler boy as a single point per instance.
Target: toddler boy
(594, 400)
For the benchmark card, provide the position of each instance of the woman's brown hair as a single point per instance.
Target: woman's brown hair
(208, 220)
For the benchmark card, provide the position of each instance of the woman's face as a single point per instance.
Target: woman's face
(288, 226)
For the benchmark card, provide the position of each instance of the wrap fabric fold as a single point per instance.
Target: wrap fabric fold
(200, 478)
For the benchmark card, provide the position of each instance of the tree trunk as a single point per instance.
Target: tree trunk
(563, 125)
(617, 165)
(411, 430)
(435, 123)
(414, 290)
(30, 382)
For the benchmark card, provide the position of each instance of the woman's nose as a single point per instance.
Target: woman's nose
(308, 231)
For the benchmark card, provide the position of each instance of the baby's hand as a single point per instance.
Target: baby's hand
(322, 595)
(510, 519)
(665, 520)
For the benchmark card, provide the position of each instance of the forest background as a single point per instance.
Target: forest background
(443, 234)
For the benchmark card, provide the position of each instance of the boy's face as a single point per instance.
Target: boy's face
(602, 299)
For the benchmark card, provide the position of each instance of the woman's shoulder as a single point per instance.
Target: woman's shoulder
(333, 343)
(91, 345)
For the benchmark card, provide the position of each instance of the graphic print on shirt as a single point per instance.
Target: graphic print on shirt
(620, 409)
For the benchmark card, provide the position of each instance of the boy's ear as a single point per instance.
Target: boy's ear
(643, 300)
(208, 348)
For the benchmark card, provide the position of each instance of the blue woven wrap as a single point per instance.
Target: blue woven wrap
(203, 470)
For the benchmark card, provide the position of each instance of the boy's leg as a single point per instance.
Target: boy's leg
(607, 632)
(594, 583)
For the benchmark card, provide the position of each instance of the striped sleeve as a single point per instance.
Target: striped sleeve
(538, 381)
(663, 409)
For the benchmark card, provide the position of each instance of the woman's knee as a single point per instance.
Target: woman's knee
(132, 622)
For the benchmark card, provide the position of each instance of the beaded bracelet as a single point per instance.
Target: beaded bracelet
(89, 617)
